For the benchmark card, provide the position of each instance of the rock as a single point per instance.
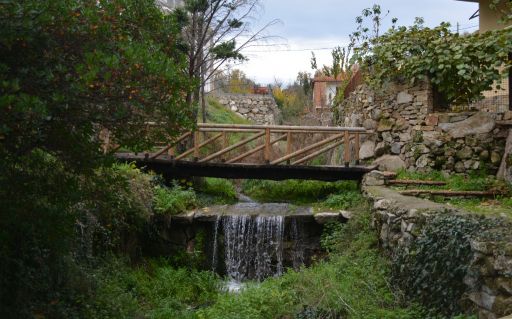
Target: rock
(465, 153)
(326, 217)
(382, 204)
(243, 111)
(385, 125)
(387, 137)
(367, 150)
(423, 161)
(420, 149)
(482, 299)
(405, 137)
(432, 120)
(370, 124)
(390, 163)
(459, 167)
(484, 155)
(396, 148)
(234, 108)
(381, 149)
(404, 97)
(495, 158)
(480, 123)
(374, 178)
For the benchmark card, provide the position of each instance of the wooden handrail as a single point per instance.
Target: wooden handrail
(307, 149)
(190, 151)
(228, 149)
(255, 150)
(277, 128)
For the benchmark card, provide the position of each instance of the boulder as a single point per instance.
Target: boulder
(390, 163)
(422, 161)
(396, 148)
(367, 150)
(324, 218)
(480, 123)
(404, 97)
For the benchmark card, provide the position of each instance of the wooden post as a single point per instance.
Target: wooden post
(356, 147)
(267, 145)
(172, 152)
(225, 143)
(346, 157)
(289, 146)
(196, 145)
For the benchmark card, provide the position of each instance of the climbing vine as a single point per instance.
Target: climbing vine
(432, 271)
(461, 67)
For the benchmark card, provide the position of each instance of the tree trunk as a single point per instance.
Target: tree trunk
(505, 171)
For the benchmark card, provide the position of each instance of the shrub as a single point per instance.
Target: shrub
(345, 200)
(295, 191)
(173, 200)
(216, 191)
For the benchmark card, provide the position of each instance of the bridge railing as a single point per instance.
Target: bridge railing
(199, 144)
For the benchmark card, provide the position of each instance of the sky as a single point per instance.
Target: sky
(320, 25)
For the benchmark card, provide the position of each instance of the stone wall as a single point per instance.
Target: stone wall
(261, 109)
(399, 220)
(409, 134)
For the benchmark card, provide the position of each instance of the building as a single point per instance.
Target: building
(489, 19)
(325, 89)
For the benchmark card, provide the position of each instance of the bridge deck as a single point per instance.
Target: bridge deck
(171, 168)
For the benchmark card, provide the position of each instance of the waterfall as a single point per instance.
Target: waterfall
(215, 243)
(253, 246)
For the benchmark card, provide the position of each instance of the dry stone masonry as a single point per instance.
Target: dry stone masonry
(399, 220)
(261, 109)
(409, 134)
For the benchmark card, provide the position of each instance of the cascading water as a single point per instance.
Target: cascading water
(253, 246)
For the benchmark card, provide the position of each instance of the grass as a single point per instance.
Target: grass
(322, 195)
(173, 200)
(352, 284)
(216, 191)
(218, 113)
(476, 181)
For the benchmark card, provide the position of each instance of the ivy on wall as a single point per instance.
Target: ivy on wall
(433, 269)
(461, 67)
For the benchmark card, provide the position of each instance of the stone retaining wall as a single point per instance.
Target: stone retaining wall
(261, 109)
(399, 221)
(409, 134)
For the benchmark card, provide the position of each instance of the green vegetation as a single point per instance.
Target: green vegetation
(460, 67)
(336, 195)
(214, 191)
(352, 284)
(443, 244)
(477, 181)
(218, 113)
(174, 200)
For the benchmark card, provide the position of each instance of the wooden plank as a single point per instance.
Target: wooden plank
(315, 154)
(197, 138)
(289, 145)
(346, 153)
(357, 147)
(255, 150)
(235, 146)
(189, 151)
(415, 182)
(449, 193)
(267, 145)
(181, 138)
(307, 149)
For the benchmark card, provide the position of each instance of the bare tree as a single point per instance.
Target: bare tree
(217, 31)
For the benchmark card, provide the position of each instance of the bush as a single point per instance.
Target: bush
(173, 200)
(345, 200)
(216, 191)
(294, 191)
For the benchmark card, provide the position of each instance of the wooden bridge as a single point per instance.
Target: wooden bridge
(257, 152)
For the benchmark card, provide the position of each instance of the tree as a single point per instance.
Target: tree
(216, 32)
(69, 69)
